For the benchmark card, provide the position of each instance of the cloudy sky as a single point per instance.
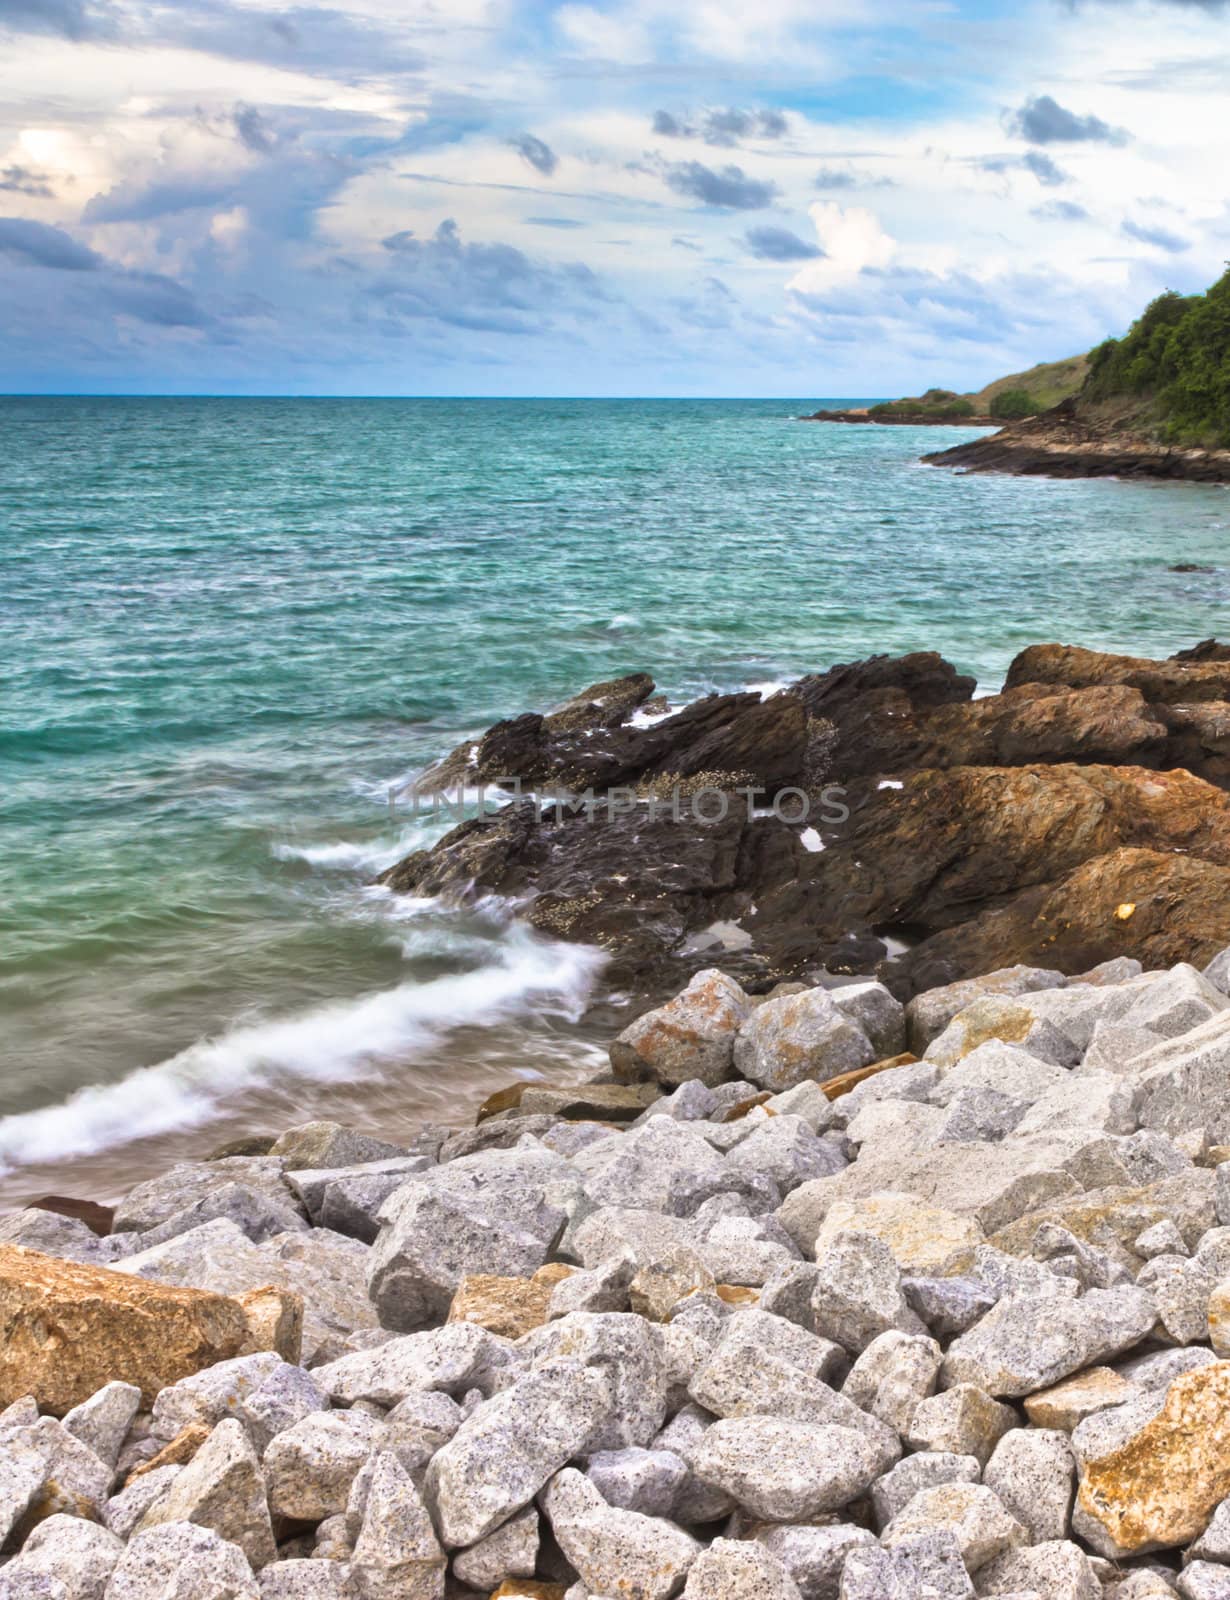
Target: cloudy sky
(796, 197)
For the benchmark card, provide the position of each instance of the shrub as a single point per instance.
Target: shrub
(1010, 405)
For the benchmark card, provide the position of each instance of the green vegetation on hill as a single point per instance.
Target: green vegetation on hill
(1043, 386)
(1021, 394)
(1174, 365)
(937, 405)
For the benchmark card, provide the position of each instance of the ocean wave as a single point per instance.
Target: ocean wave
(342, 1040)
(346, 855)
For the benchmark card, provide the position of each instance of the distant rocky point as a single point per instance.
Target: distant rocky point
(1021, 394)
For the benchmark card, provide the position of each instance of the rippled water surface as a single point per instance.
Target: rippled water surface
(228, 626)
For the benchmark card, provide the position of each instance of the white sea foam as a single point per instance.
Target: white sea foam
(345, 1039)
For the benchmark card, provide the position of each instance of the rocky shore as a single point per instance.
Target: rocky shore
(813, 1296)
(856, 1276)
(1064, 443)
(1012, 828)
(863, 414)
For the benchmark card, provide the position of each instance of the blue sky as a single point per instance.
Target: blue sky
(695, 197)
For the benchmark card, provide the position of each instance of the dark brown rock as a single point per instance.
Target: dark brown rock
(949, 843)
(1173, 682)
(98, 1218)
(1159, 908)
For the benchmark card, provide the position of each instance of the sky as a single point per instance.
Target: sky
(812, 198)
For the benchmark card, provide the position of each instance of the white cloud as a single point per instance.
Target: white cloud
(852, 240)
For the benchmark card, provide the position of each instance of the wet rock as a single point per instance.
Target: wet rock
(690, 1037)
(781, 1470)
(222, 1488)
(505, 1452)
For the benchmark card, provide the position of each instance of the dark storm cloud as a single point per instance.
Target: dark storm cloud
(537, 152)
(779, 244)
(730, 187)
(37, 244)
(722, 125)
(1159, 238)
(1042, 120)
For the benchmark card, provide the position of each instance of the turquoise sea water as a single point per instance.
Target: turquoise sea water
(228, 626)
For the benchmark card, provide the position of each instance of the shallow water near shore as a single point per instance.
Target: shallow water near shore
(229, 626)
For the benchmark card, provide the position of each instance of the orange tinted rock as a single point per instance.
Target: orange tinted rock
(507, 1306)
(275, 1321)
(528, 1589)
(834, 1088)
(178, 1453)
(1157, 1487)
(66, 1330)
(507, 1099)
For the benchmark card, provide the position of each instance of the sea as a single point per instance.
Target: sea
(232, 631)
